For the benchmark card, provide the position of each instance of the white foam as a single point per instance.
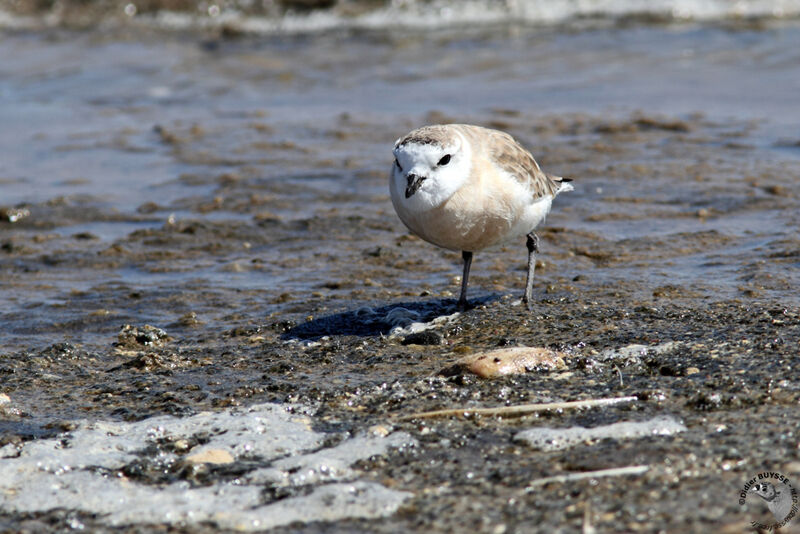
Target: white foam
(637, 351)
(123, 502)
(405, 325)
(453, 13)
(49, 474)
(555, 439)
(329, 464)
(259, 431)
(427, 15)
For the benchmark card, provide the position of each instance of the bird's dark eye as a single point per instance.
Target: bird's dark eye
(397, 163)
(445, 160)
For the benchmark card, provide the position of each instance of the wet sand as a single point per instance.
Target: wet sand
(264, 245)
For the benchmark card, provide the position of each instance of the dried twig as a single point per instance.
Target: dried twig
(521, 409)
(571, 477)
(588, 527)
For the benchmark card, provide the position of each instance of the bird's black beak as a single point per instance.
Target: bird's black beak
(414, 183)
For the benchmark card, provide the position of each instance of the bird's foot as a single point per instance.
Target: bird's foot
(528, 304)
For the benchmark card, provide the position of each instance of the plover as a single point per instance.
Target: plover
(467, 188)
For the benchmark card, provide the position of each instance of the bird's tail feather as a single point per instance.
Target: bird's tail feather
(563, 183)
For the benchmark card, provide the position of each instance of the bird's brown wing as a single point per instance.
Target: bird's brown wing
(512, 158)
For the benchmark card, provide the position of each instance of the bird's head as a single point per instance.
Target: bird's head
(430, 164)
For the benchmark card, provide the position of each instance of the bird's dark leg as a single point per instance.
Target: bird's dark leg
(462, 300)
(533, 247)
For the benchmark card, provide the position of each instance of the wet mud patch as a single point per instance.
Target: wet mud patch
(722, 370)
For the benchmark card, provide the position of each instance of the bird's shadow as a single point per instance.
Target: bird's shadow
(366, 321)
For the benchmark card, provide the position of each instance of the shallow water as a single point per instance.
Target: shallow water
(231, 188)
(106, 136)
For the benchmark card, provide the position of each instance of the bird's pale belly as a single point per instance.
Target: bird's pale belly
(458, 228)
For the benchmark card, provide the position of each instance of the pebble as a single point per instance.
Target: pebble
(135, 336)
(211, 456)
(507, 361)
(6, 408)
(379, 430)
(426, 337)
(13, 215)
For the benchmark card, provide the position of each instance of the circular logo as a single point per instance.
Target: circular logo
(776, 492)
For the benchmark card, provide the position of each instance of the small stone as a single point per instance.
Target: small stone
(189, 319)
(211, 456)
(145, 362)
(379, 430)
(692, 371)
(7, 409)
(514, 360)
(136, 336)
(13, 215)
(427, 337)
(181, 445)
(777, 190)
(148, 207)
